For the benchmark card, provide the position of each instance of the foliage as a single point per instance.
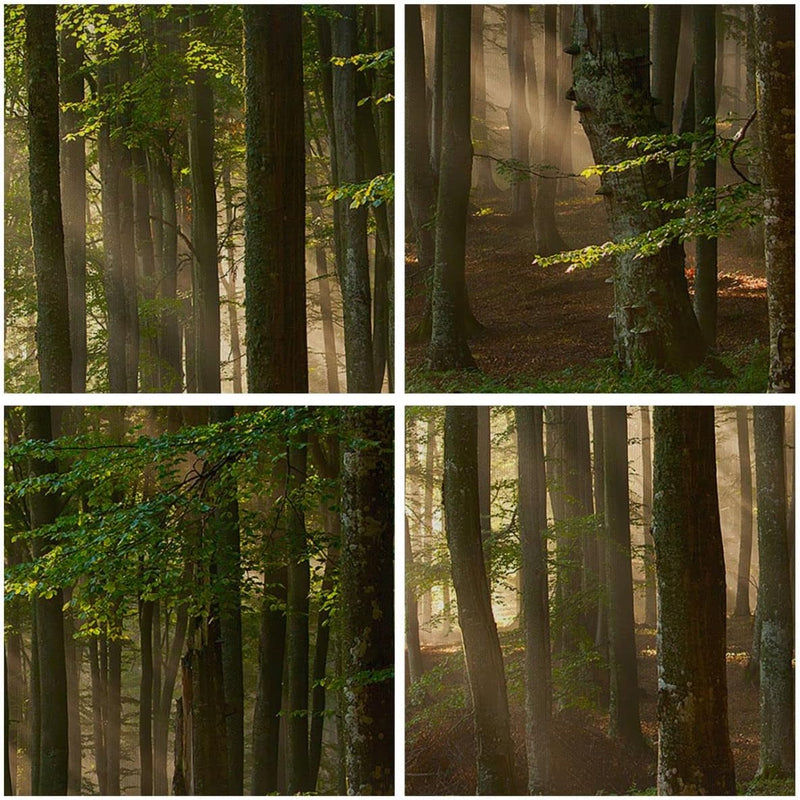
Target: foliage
(374, 192)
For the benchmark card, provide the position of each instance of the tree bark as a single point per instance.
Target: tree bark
(776, 686)
(535, 605)
(774, 40)
(694, 753)
(413, 649)
(742, 608)
(275, 276)
(482, 652)
(53, 351)
(654, 325)
(650, 610)
(484, 180)
(519, 120)
(664, 55)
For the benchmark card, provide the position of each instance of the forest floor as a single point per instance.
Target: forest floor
(440, 749)
(547, 329)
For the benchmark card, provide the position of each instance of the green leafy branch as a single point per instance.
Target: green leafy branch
(374, 192)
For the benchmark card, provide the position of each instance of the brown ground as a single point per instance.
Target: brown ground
(541, 321)
(440, 756)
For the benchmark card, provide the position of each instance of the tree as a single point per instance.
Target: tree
(448, 347)
(205, 277)
(484, 659)
(694, 753)
(774, 39)
(647, 519)
(742, 608)
(366, 588)
(54, 353)
(535, 606)
(275, 277)
(480, 133)
(776, 685)
(624, 705)
(519, 119)
(654, 324)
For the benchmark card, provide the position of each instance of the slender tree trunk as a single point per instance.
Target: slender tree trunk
(98, 712)
(275, 278)
(484, 180)
(485, 673)
(205, 274)
(650, 610)
(230, 284)
(776, 686)
(694, 753)
(742, 608)
(624, 704)
(413, 649)
(519, 120)
(485, 484)
(53, 350)
(146, 698)
(535, 606)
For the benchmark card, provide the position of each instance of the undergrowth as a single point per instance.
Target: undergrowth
(748, 368)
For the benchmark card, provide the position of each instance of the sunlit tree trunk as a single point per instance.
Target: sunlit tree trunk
(742, 608)
(694, 752)
(535, 605)
(776, 686)
(482, 166)
(52, 296)
(519, 120)
(650, 613)
(775, 73)
(654, 324)
(485, 672)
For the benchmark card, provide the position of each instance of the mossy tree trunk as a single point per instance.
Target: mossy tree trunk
(694, 752)
(484, 659)
(654, 325)
(775, 74)
(776, 685)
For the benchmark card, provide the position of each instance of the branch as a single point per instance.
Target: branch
(737, 140)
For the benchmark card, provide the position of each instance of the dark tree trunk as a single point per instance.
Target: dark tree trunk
(448, 346)
(776, 686)
(624, 701)
(654, 324)
(354, 270)
(519, 120)
(705, 283)
(73, 193)
(535, 606)
(275, 277)
(742, 608)
(413, 649)
(52, 770)
(113, 718)
(694, 749)
(53, 350)
(367, 593)
(485, 673)
(775, 72)
(98, 712)
(205, 274)
(664, 55)
(8, 785)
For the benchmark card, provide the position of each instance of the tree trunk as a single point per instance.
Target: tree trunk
(654, 325)
(519, 120)
(624, 703)
(774, 39)
(448, 346)
(275, 277)
(742, 608)
(230, 285)
(366, 590)
(664, 55)
(73, 192)
(205, 274)
(485, 673)
(53, 350)
(535, 606)
(146, 698)
(482, 166)
(776, 687)
(694, 754)
(354, 270)
(705, 283)
(413, 649)
(650, 610)
(484, 485)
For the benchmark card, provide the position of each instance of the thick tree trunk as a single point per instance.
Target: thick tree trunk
(654, 324)
(694, 753)
(776, 687)
(535, 605)
(354, 270)
(448, 346)
(275, 277)
(742, 608)
(205, 274)
(485, 673)
(367, 593)
(624, 702)
(775, 73)
(53, 351)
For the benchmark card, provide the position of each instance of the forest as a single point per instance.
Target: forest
(599, 600)
(600, 198)
(199, 601)
(199, 198)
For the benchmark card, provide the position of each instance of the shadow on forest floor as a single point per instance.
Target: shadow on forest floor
(440, 751)
(547, 329)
